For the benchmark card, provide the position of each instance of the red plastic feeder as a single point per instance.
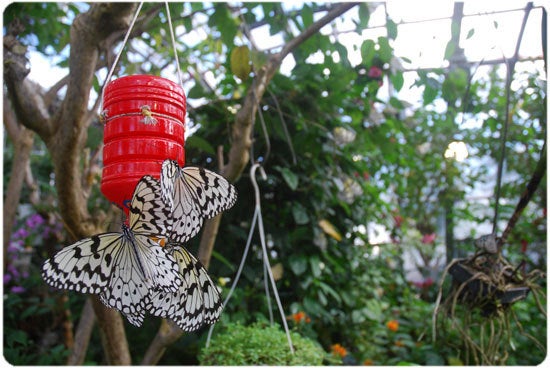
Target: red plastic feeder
(144, 125)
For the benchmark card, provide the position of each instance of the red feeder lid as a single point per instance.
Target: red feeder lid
(144, 125)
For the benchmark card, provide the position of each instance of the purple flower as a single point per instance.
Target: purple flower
(46, 232)
(17, 289)
(15, 246)
(35, 220)
(11, 269)
(7, 278)
(21, 233)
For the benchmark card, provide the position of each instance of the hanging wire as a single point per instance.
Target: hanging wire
(174, 44)
(124, 41)
(239, 271)
(267, 267)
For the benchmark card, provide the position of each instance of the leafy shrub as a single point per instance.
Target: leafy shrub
(260, 344)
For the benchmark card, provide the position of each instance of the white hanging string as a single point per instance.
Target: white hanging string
(174, 44)
(111, 71)
(267, 267)
(125, 40)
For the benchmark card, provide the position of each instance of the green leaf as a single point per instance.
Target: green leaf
(385, 50)
(395, 102)
(397, 80)
(431, 88)
(368, 51)
(329, 290)
(299, 213)
(450, 49)
(290, 178)
(298, 265)
(240, 62)
(364, 15)
(314, 265)
(197, 91)
(258, 58)
(307, 16)
(17, 336)
(392, 29)
(200, 144)
(470, 33)
(224, 22)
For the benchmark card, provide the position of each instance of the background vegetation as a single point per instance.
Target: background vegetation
(341, 151)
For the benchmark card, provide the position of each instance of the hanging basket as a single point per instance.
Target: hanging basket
(144, 120)
(479, 287)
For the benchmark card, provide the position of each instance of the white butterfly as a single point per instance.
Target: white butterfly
(193, 194)
(124, 267)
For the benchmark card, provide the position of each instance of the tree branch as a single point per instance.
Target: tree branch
(22, 139)
(65, 132)
(83, 334)
(25, 95)
(113, 334)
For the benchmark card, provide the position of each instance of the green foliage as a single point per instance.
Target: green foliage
(259, 344)
(335, 151)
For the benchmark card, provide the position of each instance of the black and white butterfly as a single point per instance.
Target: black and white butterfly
(193, 194)
(123, 267)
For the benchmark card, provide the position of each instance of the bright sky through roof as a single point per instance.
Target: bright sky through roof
(423, 42)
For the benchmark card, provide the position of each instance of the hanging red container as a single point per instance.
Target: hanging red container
(144, 119)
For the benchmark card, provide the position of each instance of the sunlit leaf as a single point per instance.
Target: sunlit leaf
(240, 62)
(329, 229)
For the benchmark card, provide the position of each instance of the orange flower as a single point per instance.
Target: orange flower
(298, 317)
(338, 349)
(392, 325)
(368, 362)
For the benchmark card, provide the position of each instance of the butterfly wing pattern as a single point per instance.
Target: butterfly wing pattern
(196, 302)
(121, 267)
(131, 272)
(194, 193)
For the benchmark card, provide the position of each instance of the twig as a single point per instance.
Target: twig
(82, 335)
(510, 65)
(527, 194)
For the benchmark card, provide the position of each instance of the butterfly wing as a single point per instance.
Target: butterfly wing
(194, 194)
(149, 215)
(85, 266)
(122, 267)
(196, 302)
(212, 191)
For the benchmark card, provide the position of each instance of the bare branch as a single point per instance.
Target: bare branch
(82, 335)
(167, 334)
(22, 139)
(112, 334)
